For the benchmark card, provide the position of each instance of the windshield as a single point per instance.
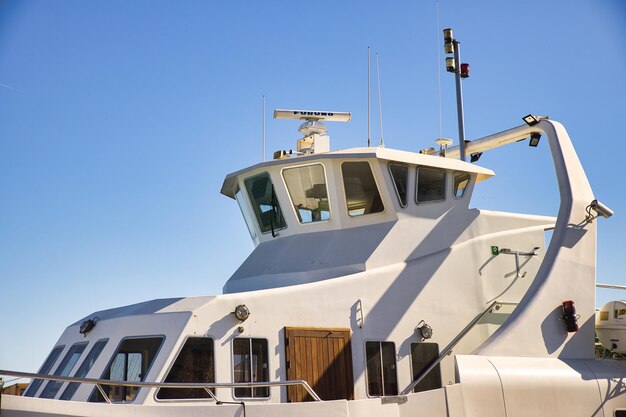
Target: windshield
(264, 203)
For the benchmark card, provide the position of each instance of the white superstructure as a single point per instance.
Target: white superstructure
(373, 281)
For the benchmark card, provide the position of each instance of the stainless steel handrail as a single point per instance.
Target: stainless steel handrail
(206, 386)
(448, 348)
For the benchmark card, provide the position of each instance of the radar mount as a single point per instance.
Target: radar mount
(315, 139)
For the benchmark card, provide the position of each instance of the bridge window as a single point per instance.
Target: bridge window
(245, 213)
(307, 189)
(362, 196)
(381, 369)
(264, 203)
(400, 177)
(250, 364)
(45, 368)
(64, 369)
(194, 364)
(130, 363)
(431, 185)
(84, 368)
(422, 355)
(461, 181)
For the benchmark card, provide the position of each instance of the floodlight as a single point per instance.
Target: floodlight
(475, 156)
(530, 120)
(534, 139)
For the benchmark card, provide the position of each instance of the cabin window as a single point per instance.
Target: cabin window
(604, 315)
(308, 193)
(130, 363)
(400, 176)
(194, 364)
(461, 182)
(264, 203)
(422, 355)
(245, 213)
(431, 185)
(64, 369)
(381, 369)
(620, 413)
(362, 196)
(45, 368)
(250, 364)
(90, 359)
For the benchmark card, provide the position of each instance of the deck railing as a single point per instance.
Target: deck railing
(99, 383)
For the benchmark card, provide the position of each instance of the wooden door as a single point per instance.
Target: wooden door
(323, 358)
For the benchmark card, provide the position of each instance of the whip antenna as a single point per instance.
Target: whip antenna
(263, 128)
(380, 106)
(368, 97)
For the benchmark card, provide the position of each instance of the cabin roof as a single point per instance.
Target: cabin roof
(371, 152)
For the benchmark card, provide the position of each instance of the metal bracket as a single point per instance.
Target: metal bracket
(517, 255)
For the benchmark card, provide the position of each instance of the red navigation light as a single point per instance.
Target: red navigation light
(570, 317)
(464, 70)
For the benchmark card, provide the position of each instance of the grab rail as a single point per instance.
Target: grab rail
(448, 348)
(206, 386)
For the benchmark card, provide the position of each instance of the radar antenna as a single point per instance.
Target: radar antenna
(314, 130)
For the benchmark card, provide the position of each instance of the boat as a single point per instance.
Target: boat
(373, 290)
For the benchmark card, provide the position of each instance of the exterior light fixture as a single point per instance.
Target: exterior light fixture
(570, 317)
(465, 69)
(242, 312)
(450, 64)
(448, 41)
(534, 139)
(475, 156)
(530, 120)
(424, 330)
(87, 326)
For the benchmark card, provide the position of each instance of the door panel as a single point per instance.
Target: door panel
(323, 358)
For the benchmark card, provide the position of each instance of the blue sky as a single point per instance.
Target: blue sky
(119, 121)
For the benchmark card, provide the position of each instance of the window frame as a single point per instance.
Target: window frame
(395, 187)
(83, 363)
(382, 373)
(36, 384)
(107, 368)
(171, 365)
(257, 216)
(64, 362)
(247, 212)
(445, 184)
(453, 188)
(376, 183)
(232, 369)
(437, 368)
(330, 208)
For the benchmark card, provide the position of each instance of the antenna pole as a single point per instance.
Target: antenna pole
(368, 97)
(380, 106)
(263, 128)
(453, 64)
(459, 100)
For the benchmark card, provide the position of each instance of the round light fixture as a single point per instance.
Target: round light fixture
(242, 312)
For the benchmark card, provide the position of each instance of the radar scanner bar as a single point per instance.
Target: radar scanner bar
(330, 116)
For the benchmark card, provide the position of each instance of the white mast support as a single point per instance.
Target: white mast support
(492, 141)
(568, 271)
(611, 286)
